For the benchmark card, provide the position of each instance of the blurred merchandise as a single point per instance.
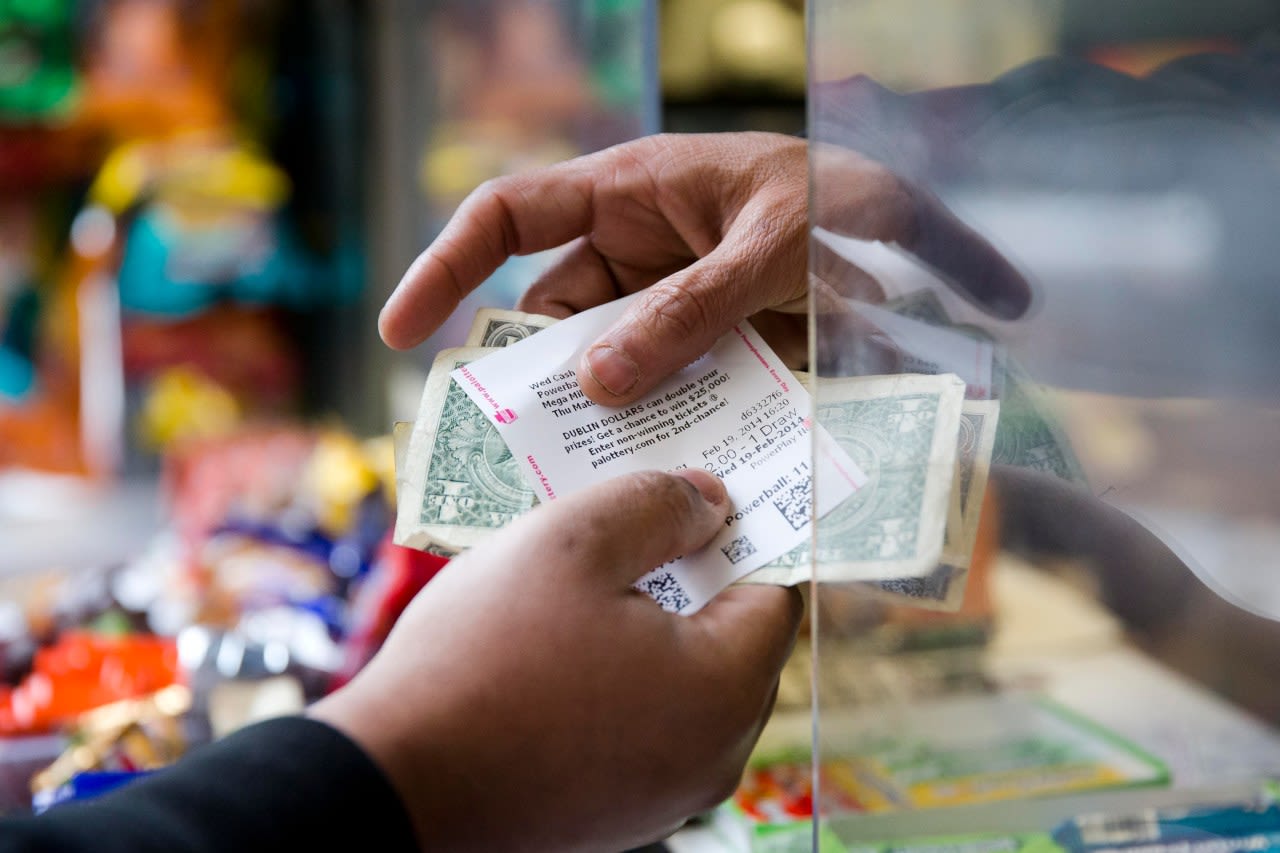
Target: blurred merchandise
(1250, 825)
(124, 736)
(81, 672)
(151, 234)
(274, 582)
(83, 786)
(954, 751)
(395, 579)
(234, 704)
(39, 80)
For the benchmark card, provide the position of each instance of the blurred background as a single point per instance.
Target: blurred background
(204, 204)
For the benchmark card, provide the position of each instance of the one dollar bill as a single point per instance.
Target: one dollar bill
(901, 430)
(497, 327)
(460, 482)
(455, 478)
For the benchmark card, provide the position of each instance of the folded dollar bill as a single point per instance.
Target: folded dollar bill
(496, 327)
(456, 481)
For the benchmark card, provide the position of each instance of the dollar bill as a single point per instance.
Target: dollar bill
(460, 482)
(401, 433)
(901, 430)
(923, 305)
(1028, 436)
(975, 444)
(497, 327)
(943, 588)
(940, 589)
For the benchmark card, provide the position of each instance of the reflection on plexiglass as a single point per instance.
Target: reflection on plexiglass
(1070, 209)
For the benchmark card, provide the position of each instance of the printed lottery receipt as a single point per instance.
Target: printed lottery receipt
(737, 412)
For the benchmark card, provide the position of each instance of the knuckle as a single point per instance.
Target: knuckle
(671, 498)
(674, 493)
(497, 194)
(901, 220)
(677, 309)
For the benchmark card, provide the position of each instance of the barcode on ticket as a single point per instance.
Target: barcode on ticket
(663, 588)
(794, 503)
(738, 550)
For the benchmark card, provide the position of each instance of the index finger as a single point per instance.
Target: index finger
(512, 215)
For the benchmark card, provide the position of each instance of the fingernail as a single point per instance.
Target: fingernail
(612, 368)
(708, 485)
(384, 327)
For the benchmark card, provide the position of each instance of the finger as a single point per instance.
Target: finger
(577, 281)
(847, 279)
(754, 627)
(860, 198)
(964, 259)
(625, 527)
(513, 215)
(846, 343)
(760, 264)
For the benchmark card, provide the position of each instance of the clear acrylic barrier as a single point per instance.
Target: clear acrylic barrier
(1072, 207)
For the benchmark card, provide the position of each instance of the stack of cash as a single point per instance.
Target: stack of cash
(927, 451)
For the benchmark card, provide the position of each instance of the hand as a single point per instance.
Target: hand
(716, 226)
(530, 699)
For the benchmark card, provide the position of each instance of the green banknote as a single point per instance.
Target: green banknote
(497, 327)
(901, 430)
(1029, 436)
(459, 481)
(975, 445)
(923, 305)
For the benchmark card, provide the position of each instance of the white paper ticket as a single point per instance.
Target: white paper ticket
(737, 412)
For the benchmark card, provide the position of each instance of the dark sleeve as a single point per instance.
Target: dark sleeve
(286, 784)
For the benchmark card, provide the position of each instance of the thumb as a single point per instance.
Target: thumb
(760, 264)
(622, 528)
(757, 625)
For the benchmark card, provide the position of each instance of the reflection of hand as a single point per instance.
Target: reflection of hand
(860, 198)
(716, 227)
(530, 698)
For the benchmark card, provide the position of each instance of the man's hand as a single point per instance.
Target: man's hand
(715, 226)
(530, 699)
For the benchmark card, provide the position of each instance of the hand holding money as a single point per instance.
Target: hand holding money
(736, 412)
(715, 225)
(474, 486)
(531, 658)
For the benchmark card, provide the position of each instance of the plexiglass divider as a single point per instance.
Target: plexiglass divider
(1045, 276)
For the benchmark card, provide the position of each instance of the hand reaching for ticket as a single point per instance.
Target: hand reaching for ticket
(715, 226)
(530, 698)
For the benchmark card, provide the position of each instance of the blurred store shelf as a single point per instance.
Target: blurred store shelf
(53, 523)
